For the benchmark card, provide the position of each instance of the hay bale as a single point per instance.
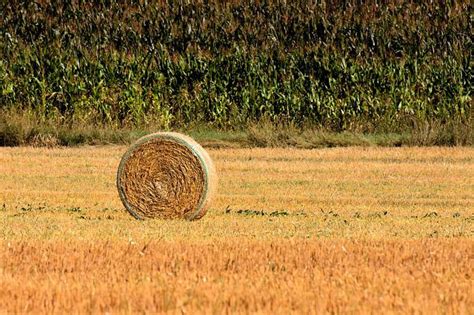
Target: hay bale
(166, 175)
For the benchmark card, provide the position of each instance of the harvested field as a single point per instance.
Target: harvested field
(302, 231)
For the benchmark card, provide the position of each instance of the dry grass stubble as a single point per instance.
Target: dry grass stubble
(304, 276)
(335, 230)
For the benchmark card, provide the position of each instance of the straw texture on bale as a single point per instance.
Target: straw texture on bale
(166, 175)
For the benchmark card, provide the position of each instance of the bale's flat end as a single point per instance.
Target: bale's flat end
(166, 175)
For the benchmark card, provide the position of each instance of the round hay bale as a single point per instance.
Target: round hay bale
(166, 175)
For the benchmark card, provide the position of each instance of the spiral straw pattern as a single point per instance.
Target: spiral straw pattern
(166, 175)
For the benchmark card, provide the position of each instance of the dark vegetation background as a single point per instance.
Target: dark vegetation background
(304, 73)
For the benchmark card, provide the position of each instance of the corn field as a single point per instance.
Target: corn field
(340, 65)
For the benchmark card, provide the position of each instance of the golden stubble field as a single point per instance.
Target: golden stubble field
(291, 231)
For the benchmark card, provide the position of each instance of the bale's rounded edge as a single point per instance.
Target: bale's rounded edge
(203, 157)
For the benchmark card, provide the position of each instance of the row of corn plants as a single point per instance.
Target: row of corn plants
(342, 65)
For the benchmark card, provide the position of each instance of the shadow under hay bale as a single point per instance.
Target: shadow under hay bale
(166, 175)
